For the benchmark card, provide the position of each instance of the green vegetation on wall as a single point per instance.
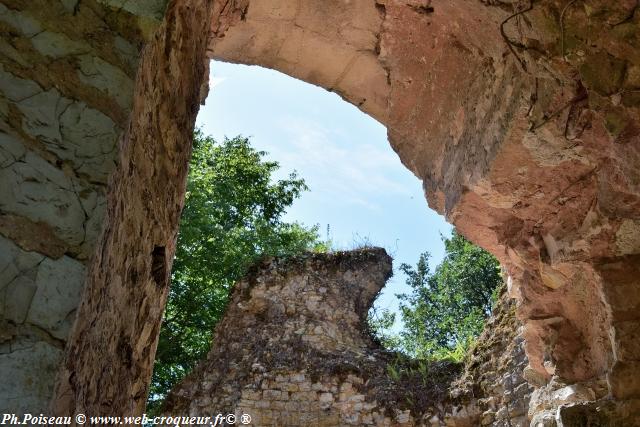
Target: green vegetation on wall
(446, 308)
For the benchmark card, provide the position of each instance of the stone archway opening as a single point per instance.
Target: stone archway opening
(357, 186)
(521, 121)
(465, 110)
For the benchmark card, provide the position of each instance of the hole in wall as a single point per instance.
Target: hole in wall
(159, 265)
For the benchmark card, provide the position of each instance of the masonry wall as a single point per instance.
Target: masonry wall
(67, 71)
(294, 349)
(496, 370)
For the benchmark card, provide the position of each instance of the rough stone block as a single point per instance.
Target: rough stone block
(627, 340)
(21, 21)
(17, 280)
(28, 375)
(628, 237)
(89, 139)
(37, 190)
(17, 298)
(59, 286)
(108, 78)
(41, 115)
(624, 381)
(57, 45)
(15, 88)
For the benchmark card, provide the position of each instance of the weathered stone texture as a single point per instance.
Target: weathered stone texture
(66, 86)
(109, 354)
(305, 356)
(38, 301)
(495, 378)
(522, 121)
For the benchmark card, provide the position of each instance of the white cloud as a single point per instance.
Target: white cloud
(215, 81)
(353, 171)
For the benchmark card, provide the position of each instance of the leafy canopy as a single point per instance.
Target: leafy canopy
(232, 216)
(446, 308)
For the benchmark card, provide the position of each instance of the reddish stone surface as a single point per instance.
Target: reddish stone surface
(522, 123)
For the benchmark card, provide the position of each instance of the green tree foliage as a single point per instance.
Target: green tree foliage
(232, 216)
(447, 308)
(380, 323)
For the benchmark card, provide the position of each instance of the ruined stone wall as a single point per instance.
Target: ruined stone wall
(520, 118)
(67, 72)
(294, 349)
(496, 375)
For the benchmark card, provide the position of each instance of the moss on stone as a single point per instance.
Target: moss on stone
(615, 122)
(602, 73)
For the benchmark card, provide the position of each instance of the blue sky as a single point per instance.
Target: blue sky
(357, 183)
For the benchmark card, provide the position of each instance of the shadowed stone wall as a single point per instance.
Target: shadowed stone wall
(67, 72)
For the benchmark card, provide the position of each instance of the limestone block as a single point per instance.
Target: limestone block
(572, 393)
(89, 137)
(50, 184)
(111, 80)
(628, 237)
(15, 88)
(21, 21)
(14, 260)
(544, 419)
(59, 286)
(487, 418)
(70, 129)
(28, 375)
(17, 280)
(17, 298)
(39, 191)
(10, 150)
(57, 45)
(41, 115)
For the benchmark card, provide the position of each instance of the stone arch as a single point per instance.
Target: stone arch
(464, 112)
(524, 134)
(469, 93)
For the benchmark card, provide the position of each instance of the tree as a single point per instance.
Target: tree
(380, 322)
(232, 216)
(446, 309)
